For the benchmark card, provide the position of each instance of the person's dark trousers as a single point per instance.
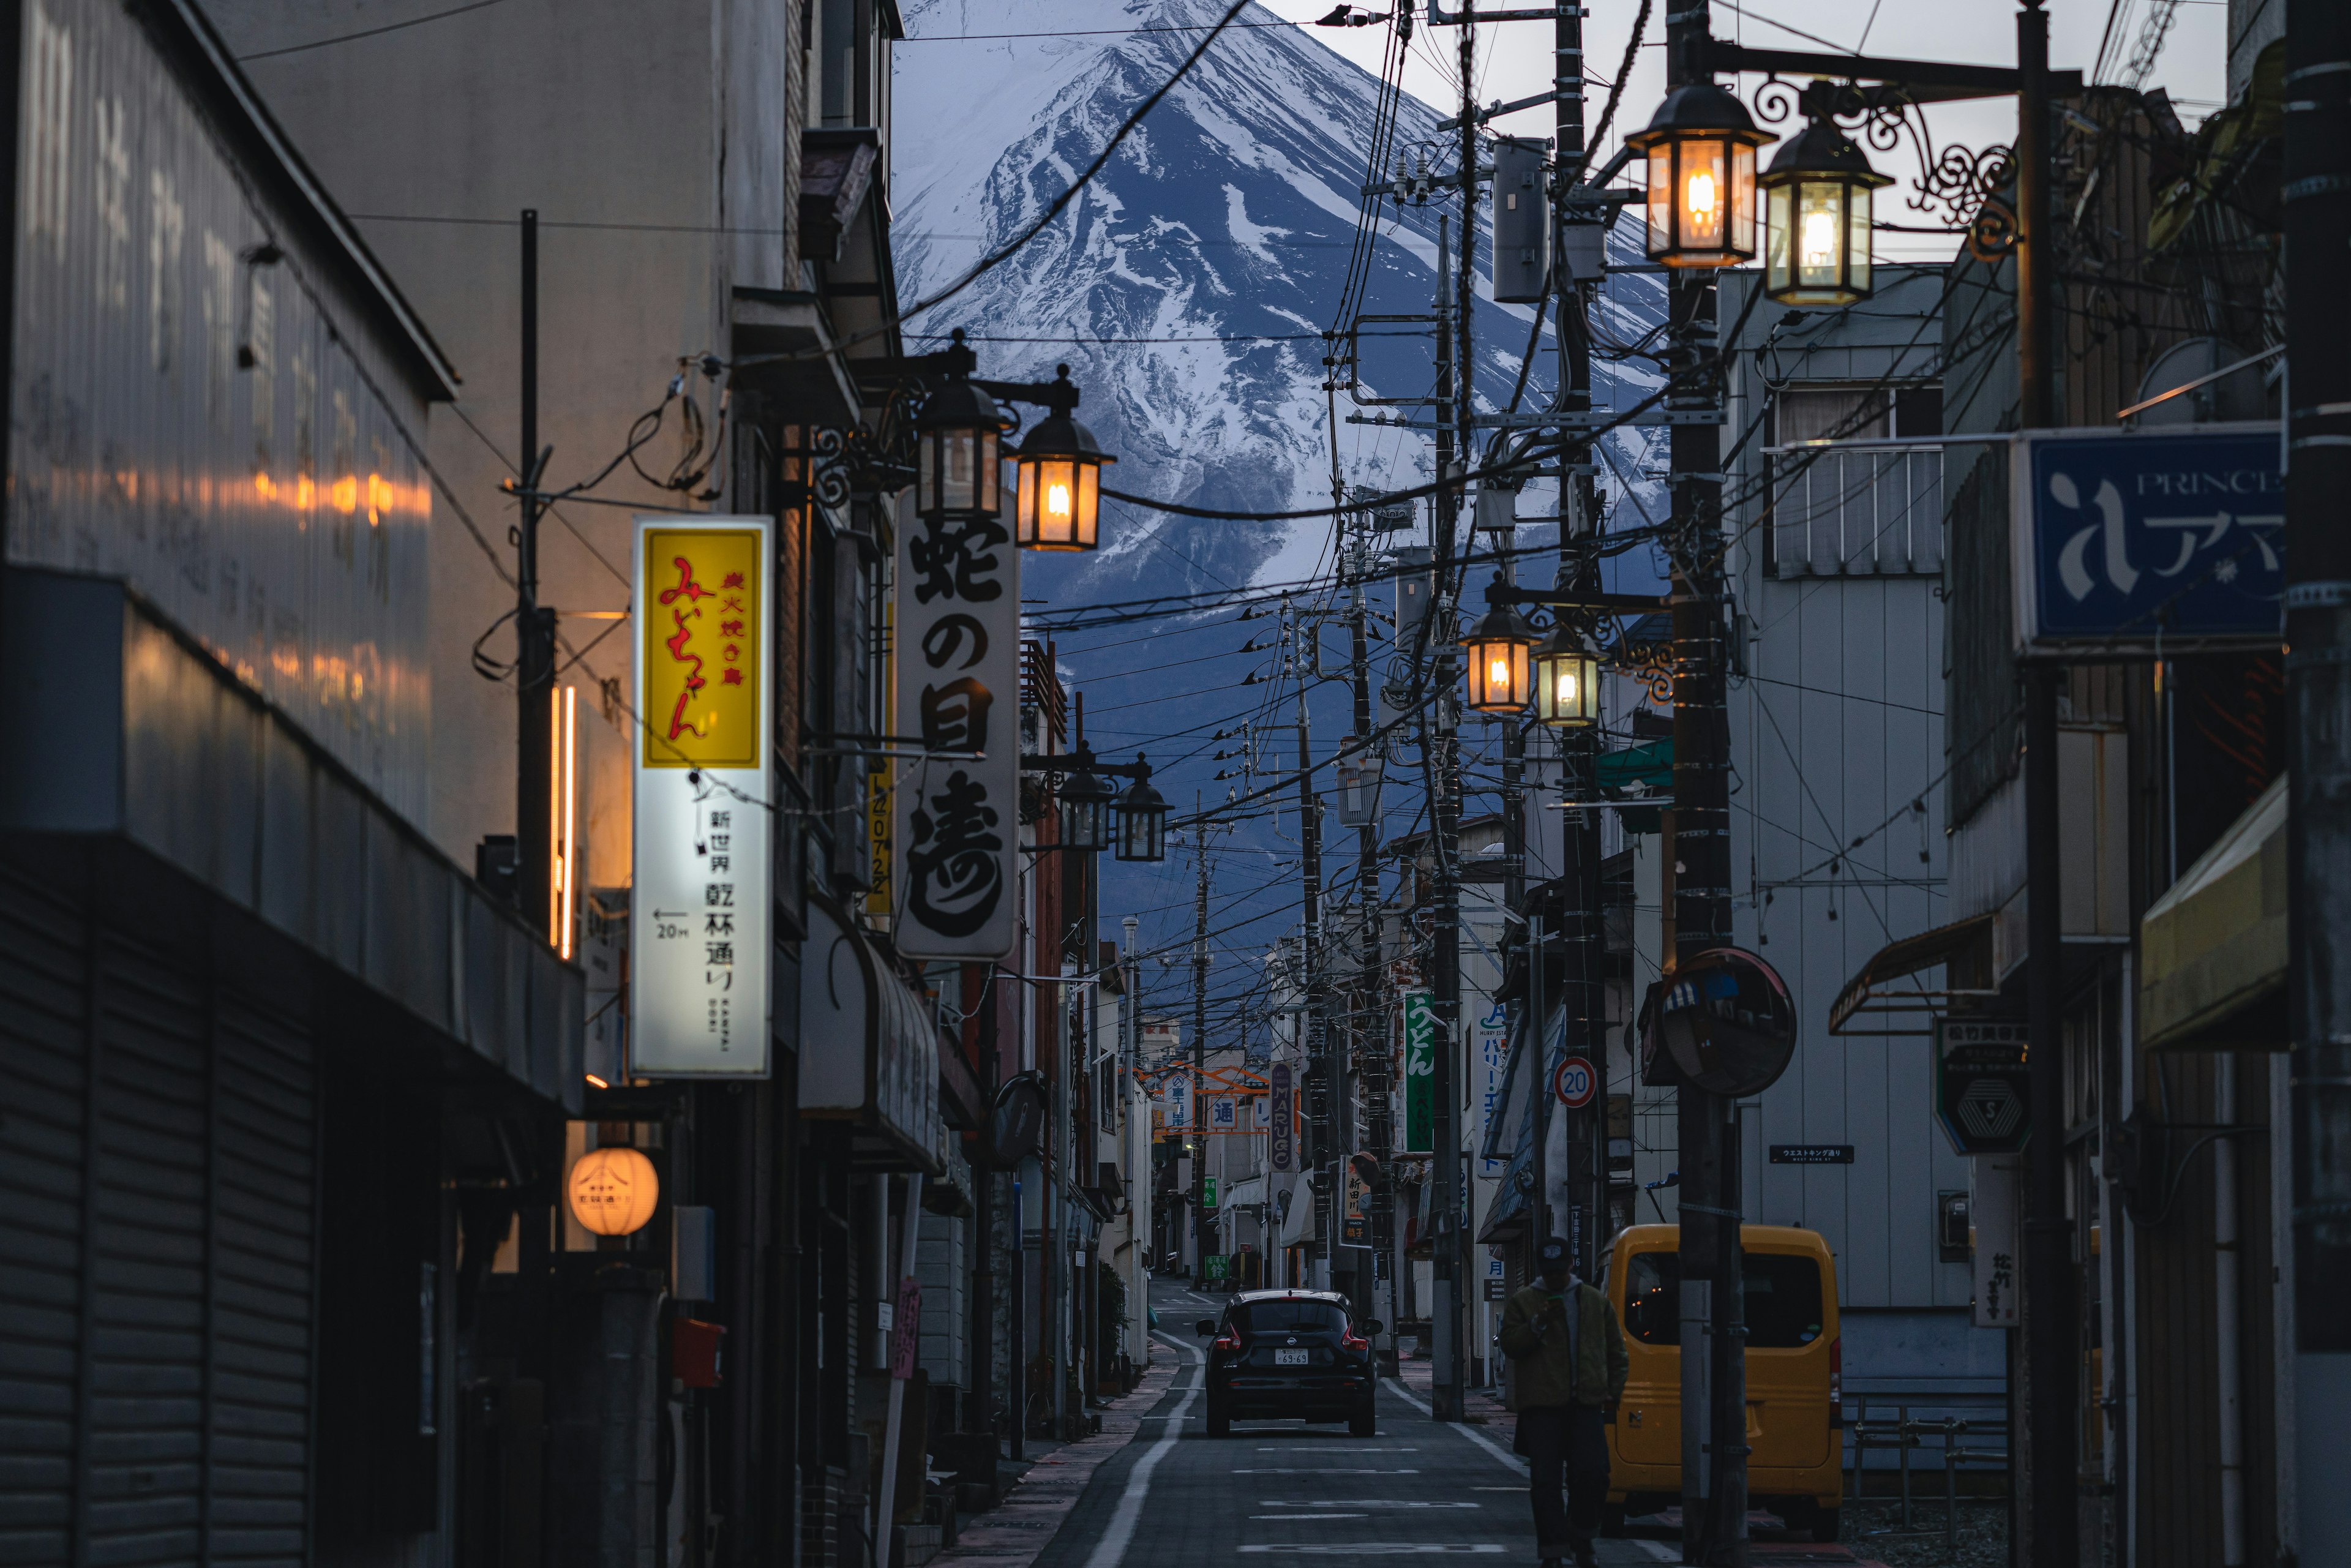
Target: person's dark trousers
(1564, 1443)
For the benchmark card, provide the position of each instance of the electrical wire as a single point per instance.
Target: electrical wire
(367, 32)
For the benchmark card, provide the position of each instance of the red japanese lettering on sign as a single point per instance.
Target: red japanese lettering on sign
(689, 590)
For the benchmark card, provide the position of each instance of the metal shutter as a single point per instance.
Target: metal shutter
(156, 1159)
(41, 1148)
(265, 1157)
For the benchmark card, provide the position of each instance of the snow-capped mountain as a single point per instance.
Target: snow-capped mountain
(1187, 287)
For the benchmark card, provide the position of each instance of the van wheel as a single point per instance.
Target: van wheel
(1367, 1424)
(1611, 1521)
(1219, 1424)
(1824, 1524)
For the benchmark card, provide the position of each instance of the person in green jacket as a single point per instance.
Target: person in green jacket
(1568, 1368)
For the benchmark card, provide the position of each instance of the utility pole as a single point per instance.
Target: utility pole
(1370, 1035)
(1582, 996)
(1137, 1170)
(2318, 685)
(983, 1225)
(2051, 1321)
(1193, 1136)
(534, 636)
(1322, 1090)
(1438, 741)
(1713, 1369)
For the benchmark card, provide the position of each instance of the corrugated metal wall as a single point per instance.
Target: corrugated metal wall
(157, 1162)
(278, 510)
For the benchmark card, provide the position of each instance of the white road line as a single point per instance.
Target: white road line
(1305, 1518)
(1659, 1550)
(1369, 1503)
(1483, 1441)
(1111, 1550)
(1385, 1549)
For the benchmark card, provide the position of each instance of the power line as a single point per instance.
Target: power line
(369, 32)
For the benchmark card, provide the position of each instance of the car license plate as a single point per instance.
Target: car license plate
(1289, 1358)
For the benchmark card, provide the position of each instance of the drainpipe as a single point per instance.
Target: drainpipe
(2225, 1317)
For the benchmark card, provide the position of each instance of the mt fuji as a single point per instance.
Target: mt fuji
(1187, 287)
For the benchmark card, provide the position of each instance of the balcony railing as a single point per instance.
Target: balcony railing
(1875, 512)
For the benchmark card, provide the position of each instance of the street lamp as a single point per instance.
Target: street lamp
(1085, 807)
(1701, 185)
(956, 434)
(1058, 503)
(1816, 216)
(1566, 680)
(1142, 818)
(1498, 649)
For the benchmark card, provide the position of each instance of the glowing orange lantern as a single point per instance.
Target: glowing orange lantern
(613, 1191)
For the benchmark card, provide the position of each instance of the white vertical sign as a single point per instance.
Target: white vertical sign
(1992, 1239)
(1493, 1036)
(956, 816)
(704, 825)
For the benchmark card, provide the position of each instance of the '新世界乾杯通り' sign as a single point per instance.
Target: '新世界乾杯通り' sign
(703, 821)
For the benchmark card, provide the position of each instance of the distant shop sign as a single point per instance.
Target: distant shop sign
(1980, 1084)
(2139, 542)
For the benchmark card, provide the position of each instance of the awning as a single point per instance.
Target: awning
(1644, 772)
(150, 740)
(1871, 995)
(2212, 950)
(869, 1050)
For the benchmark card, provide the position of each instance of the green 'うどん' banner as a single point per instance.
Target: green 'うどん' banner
(1419, 1074)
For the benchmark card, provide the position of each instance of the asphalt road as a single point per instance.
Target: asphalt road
(1276, 1492)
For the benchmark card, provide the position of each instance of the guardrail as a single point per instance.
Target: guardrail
(1906, 1433)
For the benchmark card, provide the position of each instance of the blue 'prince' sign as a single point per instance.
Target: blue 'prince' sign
(2128, 540)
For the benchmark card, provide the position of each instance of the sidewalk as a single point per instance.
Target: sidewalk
(1012, 1533)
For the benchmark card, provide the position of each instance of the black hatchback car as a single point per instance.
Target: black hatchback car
(1289, 1356)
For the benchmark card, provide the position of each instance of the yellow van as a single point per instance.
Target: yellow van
(1794, 1375)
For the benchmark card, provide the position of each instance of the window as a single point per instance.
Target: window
(1653, 1298)
(1783, 1299)
(1875, 511)
(1289, 1317)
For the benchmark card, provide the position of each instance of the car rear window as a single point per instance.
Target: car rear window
(1783, 1299)
(1289, 1317)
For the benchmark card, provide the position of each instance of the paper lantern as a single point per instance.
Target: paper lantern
(613, 1191)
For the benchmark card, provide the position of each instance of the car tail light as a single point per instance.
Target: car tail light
(1229, 1340)
(1350, 1340)
(1836, 1382)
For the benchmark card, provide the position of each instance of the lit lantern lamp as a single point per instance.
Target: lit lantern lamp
(613, 1191)
(1085, 807)
(956, 434)
(1498, 647)
(1567, 680)
(1816, 216)
(1142, 818)
(1058, 503)
(1701, 182)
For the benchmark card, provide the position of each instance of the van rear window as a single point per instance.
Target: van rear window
(1783, 1299)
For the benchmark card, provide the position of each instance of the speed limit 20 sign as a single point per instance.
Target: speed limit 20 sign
(1574, 1082)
